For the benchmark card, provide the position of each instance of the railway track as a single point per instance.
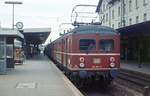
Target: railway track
(96, 89)
(93, 92)
(137, 81)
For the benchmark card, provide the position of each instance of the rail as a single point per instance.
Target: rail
(140, 81)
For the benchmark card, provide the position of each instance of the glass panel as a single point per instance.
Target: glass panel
(17, 54)
(9, 51)
(87, 44)
(17, 43)
(2, 54)
(1, 39)
(106, 45)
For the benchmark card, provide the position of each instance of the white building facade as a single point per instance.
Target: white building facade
(132, 19)
(121, 13)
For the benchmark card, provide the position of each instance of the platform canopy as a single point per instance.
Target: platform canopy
(11, 33)
(36, 35)
(136, 29)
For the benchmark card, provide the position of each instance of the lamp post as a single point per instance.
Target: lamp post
(13, 3)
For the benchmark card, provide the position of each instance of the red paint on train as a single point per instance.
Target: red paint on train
(89, 48)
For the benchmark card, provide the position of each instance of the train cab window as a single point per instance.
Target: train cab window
(106, 45)
(87, 45)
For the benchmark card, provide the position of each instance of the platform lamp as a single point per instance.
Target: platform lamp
(13, 3)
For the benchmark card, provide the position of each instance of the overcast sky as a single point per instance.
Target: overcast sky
(40, 13)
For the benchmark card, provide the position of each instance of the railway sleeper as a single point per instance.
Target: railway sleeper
(139, 75)
(143, 86)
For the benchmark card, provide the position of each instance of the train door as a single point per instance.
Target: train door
(65, 52)
(62, 50)
(66, 55)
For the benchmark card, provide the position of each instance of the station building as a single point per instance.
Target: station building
(132, 19)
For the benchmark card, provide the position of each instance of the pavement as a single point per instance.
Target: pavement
(36, 77)
(40, 77)
(144, 67)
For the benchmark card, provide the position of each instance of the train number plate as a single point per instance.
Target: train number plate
(96, 60)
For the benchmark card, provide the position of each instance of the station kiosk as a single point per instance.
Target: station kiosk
(8, 38)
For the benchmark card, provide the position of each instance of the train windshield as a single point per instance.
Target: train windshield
(106, 45)
(87, 45)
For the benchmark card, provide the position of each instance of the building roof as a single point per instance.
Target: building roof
(36, 35)
(10, 32)
(36, 30)
(136, 29)
(98, 6)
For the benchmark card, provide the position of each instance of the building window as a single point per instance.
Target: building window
(101, 19)
(124, 8)
(130, 5)
(130, 21)
(144, 2)
(124, 23)
(112, 14)
(112, 25)
(119, 24)
(136, 4)
(137, 19)
(145, 17)
(107, 6)
(106, 17)
(103, 7)
(101, 10)
(119, 11)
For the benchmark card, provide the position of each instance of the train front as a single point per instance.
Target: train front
(96, 52)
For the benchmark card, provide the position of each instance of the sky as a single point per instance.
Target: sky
(40, 13)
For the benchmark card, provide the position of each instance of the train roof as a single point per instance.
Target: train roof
(103, 30)
(90, 29)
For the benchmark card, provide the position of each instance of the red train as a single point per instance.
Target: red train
(87, 52)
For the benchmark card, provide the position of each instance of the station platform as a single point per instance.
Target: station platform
(36, 77)
(144, 68)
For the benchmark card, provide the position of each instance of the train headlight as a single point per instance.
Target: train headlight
(112, 59)
(112, 65)
(82, 65)
(81, 59)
